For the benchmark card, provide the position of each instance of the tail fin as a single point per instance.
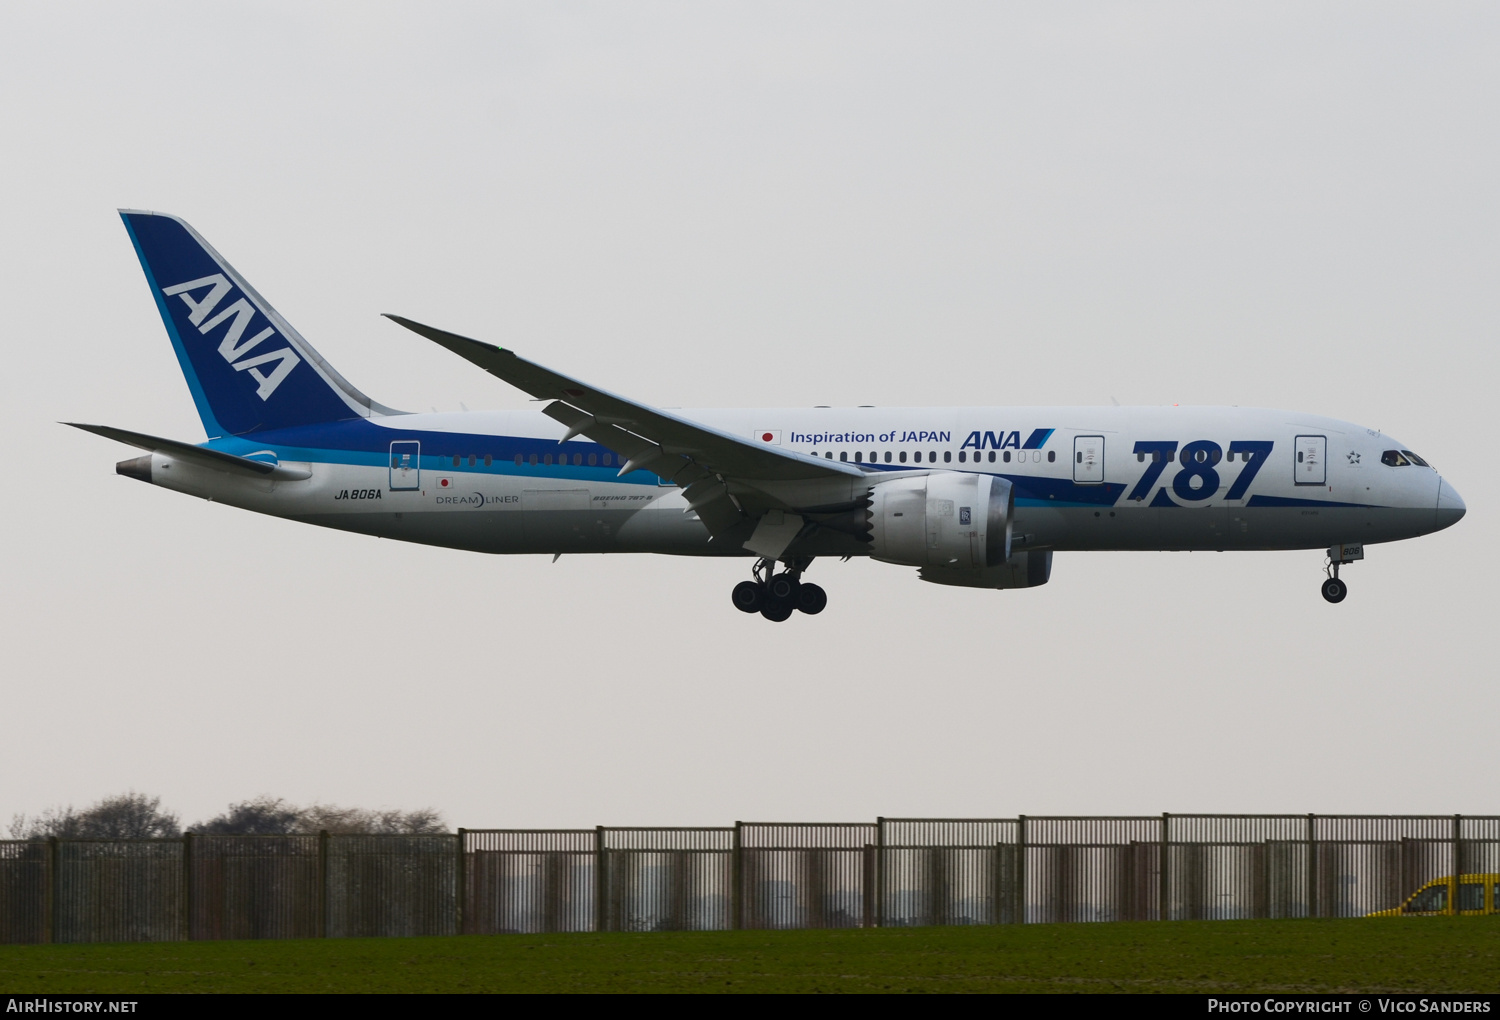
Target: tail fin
(248, 369)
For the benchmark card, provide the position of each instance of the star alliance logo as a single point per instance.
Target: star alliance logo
(1353, 459)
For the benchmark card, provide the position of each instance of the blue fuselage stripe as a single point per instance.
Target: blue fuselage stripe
(359, 443)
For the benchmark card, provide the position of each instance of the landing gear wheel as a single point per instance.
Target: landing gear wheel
(782, 588)
(777, 612)
(749, 596)
(1334, 590)
(811, 599)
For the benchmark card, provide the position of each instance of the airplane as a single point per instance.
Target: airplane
(980, 497)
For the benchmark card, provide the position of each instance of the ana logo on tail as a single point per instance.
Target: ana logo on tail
(233, 347)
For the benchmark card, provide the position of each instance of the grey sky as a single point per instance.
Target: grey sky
(1287, 205)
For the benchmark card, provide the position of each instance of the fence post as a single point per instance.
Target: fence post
(54, 879)
(1020, 894)
(997, 892)
(737, 880)
(880, 872)
(601, 882)
(323, 884)
(187, 886)
(1312, 865)
(461, 880)
(1164, 870)
(1458, 867)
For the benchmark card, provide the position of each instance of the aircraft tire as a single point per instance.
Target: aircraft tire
(777, 612)
(1334, 590)
(812, 599)
(749, 596)
(782, 588)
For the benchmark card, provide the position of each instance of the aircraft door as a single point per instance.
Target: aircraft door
(1088, 459)
(406, 470)
(1312, 452)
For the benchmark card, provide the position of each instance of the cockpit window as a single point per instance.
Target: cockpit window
(1418, 461)
(1393, 458)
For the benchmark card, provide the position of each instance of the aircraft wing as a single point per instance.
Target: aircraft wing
(728, 480)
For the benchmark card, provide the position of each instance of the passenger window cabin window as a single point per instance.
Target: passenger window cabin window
(547, 459)
(606, 460)
(932, 457)
(903, 456)
(1418, 461)
(518, 460)
(992, 457)
(1051, 456)
(455, 460)
(472, 460)
(947, 456)
(843, 455)
(489, 460)
(1140, 457)
(859, 456)
(593, 459)
(888, 456)
(828, 455)
(1392, 458)
(1004, 456)
(961, 456)
(533, 460)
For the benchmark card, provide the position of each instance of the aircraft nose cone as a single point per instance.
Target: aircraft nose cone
(1450, 506)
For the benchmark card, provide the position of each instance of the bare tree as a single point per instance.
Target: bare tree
(263, 816)
(136, 816)
(273, 816)
(128, 815)
(342, 820)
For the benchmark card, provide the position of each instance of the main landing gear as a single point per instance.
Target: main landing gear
(776, 596)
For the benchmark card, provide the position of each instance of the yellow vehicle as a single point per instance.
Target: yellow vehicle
(1476, 894)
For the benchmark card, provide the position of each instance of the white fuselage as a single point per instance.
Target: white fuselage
(1207, 478)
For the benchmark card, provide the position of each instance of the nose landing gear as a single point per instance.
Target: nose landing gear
(1335, 589)
(776, 596)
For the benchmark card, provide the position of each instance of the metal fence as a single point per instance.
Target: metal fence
(890, 873)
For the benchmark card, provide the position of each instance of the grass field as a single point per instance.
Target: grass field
(1460, 954)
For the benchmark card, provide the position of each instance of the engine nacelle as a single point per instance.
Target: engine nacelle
(1026, 569)
(944, 519)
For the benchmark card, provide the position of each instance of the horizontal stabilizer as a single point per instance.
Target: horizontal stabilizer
(215, 459)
